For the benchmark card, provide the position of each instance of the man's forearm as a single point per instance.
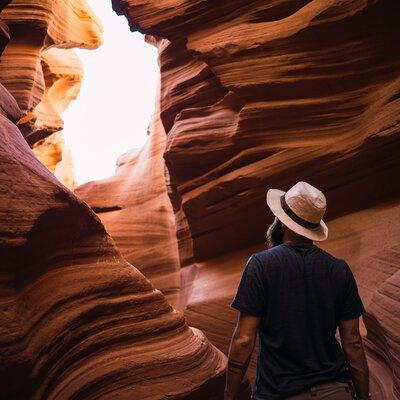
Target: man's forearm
(358, 367)
(238, 360)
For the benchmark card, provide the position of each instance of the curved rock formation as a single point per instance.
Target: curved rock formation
(77, 321)
(368, 240)
(34, 70)
(53, 153)
(63, 72)
(137, 212)
(263, 94)
(300, 87)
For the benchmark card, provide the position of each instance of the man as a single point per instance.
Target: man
(296, 295)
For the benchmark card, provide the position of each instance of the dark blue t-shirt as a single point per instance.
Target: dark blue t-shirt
(301, 294)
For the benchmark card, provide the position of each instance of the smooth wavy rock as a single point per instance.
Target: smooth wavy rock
(56, 156)
(63, 73)
(34, 70)
(263, 94)
(368, 240)
(76, 320)
(137, 212)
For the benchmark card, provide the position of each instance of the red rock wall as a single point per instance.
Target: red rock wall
(41, 78)
(42, 72)
(134, 206)
(368, 240)
(262, 94)
(63, 73)
(258, 94)
(77, 321)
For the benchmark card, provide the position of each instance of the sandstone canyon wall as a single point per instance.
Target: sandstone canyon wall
(260, 94)
(257, 94)
(42, 72)
(77, 321)
(137, 212)
(62, 72)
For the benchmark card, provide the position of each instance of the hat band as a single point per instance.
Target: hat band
(295, 217)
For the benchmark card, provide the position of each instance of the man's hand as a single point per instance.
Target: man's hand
(240, 351)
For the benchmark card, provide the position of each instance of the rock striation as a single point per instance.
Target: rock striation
(258, 94)
(56, 156)
(43, 73)
(77, 321)
(137, 212)
(262, 94)
(62, 72)
(368, 240)
(38, 67)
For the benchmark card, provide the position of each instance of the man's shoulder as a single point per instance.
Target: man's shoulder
(339, 262)
(275, 254)
(269, 255)
(338, 267)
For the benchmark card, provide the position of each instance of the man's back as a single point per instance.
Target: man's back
(301, 294)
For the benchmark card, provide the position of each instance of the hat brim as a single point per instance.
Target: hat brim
(274, 203)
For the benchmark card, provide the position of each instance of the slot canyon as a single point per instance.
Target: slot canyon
(120, 288)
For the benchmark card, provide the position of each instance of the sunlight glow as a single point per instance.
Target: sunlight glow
(113, 110)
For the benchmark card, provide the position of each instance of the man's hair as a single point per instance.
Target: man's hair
(274, 233)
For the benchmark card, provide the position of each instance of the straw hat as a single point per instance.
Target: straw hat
(301, 209)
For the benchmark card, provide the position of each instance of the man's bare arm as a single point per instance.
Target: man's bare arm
(355, 355)
(240, 351)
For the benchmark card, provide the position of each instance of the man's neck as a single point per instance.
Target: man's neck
(296, 239)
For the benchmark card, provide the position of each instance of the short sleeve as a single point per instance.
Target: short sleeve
(251, 293)
(352, 306)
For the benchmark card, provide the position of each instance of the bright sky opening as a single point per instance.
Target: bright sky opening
(116, 101)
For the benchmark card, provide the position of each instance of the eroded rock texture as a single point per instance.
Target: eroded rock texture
(56, 156)
(135, 208)
(259, 94)
(263, 94)
(37, 66)
(368, 240)
(62, 72)
(42, 72)
(77, 321)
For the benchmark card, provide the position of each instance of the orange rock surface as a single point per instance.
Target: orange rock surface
(263, 94)
(53, 153)
(135, 208)
(42, 72)
(252, 95)
(37, 66)
(76, 319)
(63, 72)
